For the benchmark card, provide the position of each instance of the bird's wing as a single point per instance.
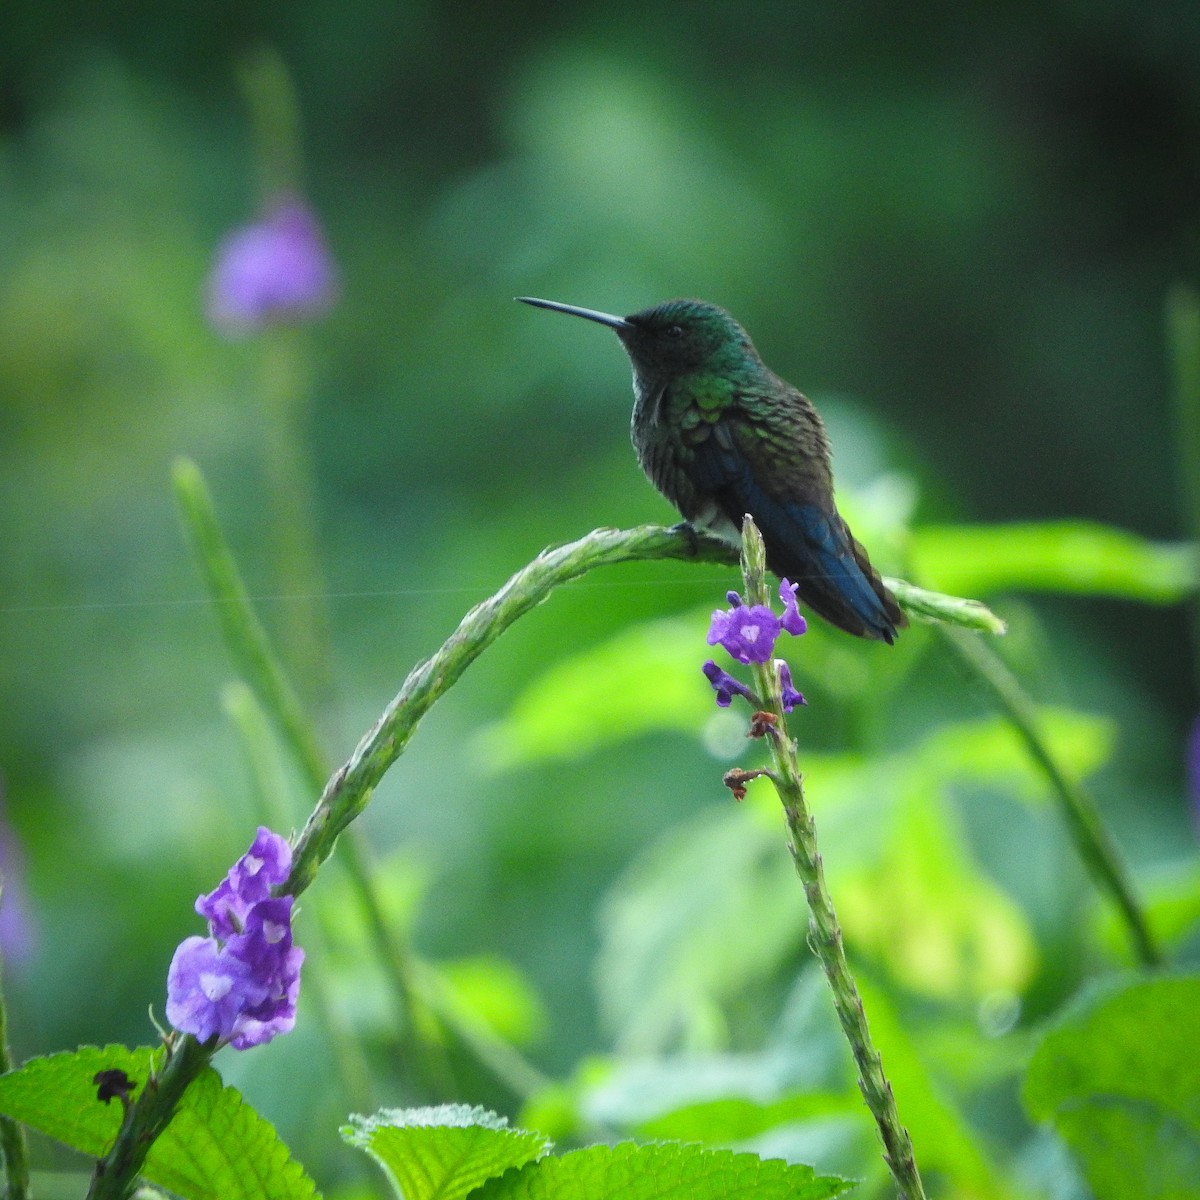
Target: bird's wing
(769, 473)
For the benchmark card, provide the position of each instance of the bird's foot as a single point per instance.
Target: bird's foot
(690, 532)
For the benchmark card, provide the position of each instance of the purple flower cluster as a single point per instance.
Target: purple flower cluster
(749, 634)
(273, 271)
(241, 983)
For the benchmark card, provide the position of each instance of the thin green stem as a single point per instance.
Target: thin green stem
(349, 791)
(1183, 328)
(244, 635)
(274, 111)
(824, 932)
(925, 605)
(116, 1174)
(256, 663)
(12, 1133)
(286, 396)
(1095, 844)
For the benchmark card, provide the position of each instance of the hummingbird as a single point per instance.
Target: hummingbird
(721, 435)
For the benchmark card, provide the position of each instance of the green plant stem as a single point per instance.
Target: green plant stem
(348, 791)
(116, 1174)
(1095, 845)
(925, 605)
(255, 661)
(1183, 329)
(286, 397)
(243, 633)
(824, 932)
(12, 1133)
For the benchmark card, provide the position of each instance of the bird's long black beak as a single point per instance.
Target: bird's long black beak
(589, 314)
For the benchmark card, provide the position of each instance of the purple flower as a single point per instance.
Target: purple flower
(724, 684)
(749, 632)
(208, 989)
(241, 983)
(791, 697)
(18, 929)
(791, 620)
(276, 270)
(249, 881)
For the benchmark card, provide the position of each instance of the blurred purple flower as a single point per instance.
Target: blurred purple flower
(277, 270)
(723, 684)
(18, 930)
(241, 983)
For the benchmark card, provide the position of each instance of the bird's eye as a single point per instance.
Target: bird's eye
(675, 331)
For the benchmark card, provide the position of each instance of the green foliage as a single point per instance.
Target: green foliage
(492, 991)
(683, 930)
(908, 889)
(926, 911)
(216, 1147)
(662, 1172)
(645, 679)
(943, 1138)
(1116, 1075)
(1172, 908)
(1060, 556)
(451, 437)
(445, 1152)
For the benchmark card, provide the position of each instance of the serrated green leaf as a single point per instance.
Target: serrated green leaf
(664, 1171)
(1061, 556)
(56, 1094)
(1117, 1077)
(215, 1148)
(645, 680)
(442, 1152)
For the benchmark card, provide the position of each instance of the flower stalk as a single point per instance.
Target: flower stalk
(824, 933)
(349, 789)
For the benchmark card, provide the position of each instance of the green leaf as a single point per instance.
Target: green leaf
(672, 951)
(665, 1171)
(1117, 1078)
(442, 1152)
(990, 751)
(645, 680)
(925, 910)
(494, 992)
(1060, 556)
(215, 1148)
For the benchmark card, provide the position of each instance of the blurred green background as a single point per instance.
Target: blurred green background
(955, 228)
